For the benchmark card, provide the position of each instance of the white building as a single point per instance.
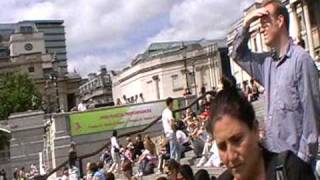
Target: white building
(304, 24)
(167, 69)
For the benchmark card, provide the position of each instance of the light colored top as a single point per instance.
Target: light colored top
(74, 173)
(99, 175)
(114, 143)
(167, 117)
(146, 152)
(292, 96)
(181, 137)
(82, 107)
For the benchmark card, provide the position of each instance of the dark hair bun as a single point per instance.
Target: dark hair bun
(228, 84)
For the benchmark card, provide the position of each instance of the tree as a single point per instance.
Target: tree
(17, 94)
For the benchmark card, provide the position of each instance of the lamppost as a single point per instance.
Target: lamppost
(54, 79)
(194, 78)
(185, 66)
(211, 53)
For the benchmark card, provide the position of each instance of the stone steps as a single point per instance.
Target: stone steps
(213, 171)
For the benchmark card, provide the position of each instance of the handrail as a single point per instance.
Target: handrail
(126, 134)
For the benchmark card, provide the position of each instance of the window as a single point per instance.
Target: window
(205, 77)
(314, 16)
(31, 69)
(26, 29)
(177, 83)
(191, 79)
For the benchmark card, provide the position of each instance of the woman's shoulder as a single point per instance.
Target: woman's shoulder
(295, 167)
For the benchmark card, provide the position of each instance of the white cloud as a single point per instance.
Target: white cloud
(196, 19)
(112, 32)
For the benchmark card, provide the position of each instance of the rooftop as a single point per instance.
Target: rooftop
(167, 48)
(45, 21)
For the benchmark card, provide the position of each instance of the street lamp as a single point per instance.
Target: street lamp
(211, 53)
(194, 78)
(185, 66)
(54, 79)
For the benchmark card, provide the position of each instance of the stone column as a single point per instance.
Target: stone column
(294, 23)
(210, 54)
(156, 80)
(308, 27)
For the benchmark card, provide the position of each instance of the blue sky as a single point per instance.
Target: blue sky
(113, 32)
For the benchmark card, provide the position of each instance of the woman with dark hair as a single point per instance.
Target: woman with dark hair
(172, 169)
(185, 173)
(202, 174)
(147, 160)
(235, 129)
(182, 138)
(115, 152)
(138, 146)
(110, 176)
(92, 171)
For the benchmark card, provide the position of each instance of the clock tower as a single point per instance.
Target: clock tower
(26, 40)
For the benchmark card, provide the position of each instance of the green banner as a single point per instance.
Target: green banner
(114, 118)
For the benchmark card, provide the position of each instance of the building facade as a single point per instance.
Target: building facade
(23, 49)
(98, 88)
(55, 41)
(171, 68)
(53, 35)
(304, 28)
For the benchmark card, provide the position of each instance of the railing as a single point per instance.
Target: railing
(80, 158)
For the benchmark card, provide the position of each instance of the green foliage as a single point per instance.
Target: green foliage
(17, 94)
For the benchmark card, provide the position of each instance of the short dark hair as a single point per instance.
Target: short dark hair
(114, 133)
(100, 164)
(179, 125)
(186, 171)
(202, 174)
(173, 165)
(169, 101)
(110, 176)
(280, 9)
(93, 167)
(229, 101)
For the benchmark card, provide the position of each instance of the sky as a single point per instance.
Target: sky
(113, 32)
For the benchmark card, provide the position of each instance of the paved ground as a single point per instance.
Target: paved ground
(259, 109)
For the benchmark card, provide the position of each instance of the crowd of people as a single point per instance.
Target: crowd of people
(24, 173)
(225, 131)
(131, 100)
(148, 158)
(251, 91)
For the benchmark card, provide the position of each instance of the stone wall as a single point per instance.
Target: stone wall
(27, 130)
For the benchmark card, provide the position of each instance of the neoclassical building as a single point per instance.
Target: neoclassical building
(304, 27)
(170, 68)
